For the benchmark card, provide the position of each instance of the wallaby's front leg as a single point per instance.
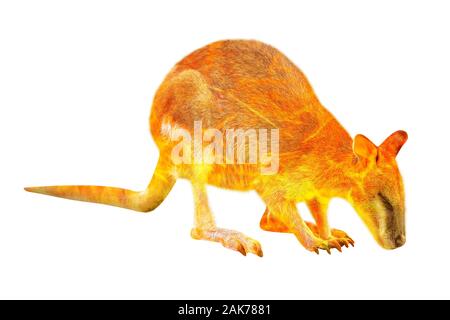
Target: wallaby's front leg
(286, 213)
(205, 228)
(318, 208)
(269, 222)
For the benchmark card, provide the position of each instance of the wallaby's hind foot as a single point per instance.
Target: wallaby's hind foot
(230, 239)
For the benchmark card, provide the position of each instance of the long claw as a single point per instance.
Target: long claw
(253, 246)
(256, 249)
(337, 240)
(241, 249)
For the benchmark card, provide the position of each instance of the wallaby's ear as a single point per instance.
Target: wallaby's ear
(364, 148)
(392, 145)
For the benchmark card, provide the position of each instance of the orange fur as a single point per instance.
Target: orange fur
(248, 84)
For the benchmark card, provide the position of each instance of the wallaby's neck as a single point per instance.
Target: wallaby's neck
(339, 172)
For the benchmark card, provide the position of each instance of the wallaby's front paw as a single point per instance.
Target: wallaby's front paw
(340, 236)
(231, 239)
(327, 245)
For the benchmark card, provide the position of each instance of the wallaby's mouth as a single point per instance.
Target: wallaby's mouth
(393, 242)
(387, 225)
(393, 234)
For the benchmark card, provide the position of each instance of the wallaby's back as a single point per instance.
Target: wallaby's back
(240, 84)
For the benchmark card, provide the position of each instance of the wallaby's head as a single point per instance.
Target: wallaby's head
(378, 194)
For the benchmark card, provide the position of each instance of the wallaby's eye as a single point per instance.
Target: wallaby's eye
(386, 203)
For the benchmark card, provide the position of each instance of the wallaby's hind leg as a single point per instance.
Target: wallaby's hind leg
(144, 201)
(205, 227)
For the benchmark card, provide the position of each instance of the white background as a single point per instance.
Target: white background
(76, 84)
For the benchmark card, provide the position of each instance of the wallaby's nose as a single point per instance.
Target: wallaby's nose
(400, 240)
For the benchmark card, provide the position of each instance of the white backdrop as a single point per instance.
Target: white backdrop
(76, 84)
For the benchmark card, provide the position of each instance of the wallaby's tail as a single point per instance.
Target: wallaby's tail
(147, 200)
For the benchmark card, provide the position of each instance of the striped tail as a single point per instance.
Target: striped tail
(145, 201)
